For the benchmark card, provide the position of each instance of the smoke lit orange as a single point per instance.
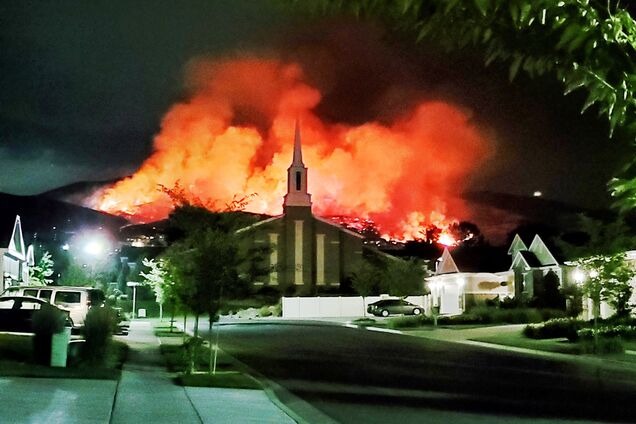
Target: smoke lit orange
(234, 136)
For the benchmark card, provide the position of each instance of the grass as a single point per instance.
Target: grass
(519, 340)
(225, 379)
(16, 361)
(176, 359)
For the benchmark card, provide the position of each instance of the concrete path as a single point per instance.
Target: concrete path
(147, 394)
(55, 400)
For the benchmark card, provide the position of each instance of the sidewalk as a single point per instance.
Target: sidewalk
(146, 392)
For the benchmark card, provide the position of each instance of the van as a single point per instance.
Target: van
(76, 300)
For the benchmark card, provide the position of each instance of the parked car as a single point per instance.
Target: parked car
(76, 300)
(16, 313)
(388, 307)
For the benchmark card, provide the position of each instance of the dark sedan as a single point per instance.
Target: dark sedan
(388, 307)
(16, 313)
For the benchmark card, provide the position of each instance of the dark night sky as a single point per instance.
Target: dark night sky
(83, 86)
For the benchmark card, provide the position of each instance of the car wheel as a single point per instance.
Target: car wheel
(417, 311)
(384, 313)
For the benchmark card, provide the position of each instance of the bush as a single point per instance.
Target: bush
(554, 328)
(265, 311)
(623, 331)
(47, 321)
(408, 321)
(489, 315)
(99, 326)
(605, 345)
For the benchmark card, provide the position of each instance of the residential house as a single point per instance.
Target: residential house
(16, 257)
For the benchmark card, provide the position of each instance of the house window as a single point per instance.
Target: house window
(298, 181)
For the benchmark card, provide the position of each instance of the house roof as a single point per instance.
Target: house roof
(13, 239)
(446, 264)
(516, 245)
(530, 259)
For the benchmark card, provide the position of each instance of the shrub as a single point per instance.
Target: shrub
(46, 321)
(624, 331)
(265, 311)
(407, 321)
(99, 326)
(554, 328)
(605, 345)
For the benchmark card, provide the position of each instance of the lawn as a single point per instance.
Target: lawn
(176, 359)
(519, 340)
(16, 361)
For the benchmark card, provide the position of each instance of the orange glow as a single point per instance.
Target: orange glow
(234, 135)
(446, 239)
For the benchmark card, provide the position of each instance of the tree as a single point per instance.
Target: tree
(161, 282)
(587, 44)
(74, 275)
(403, 278)
(466, 233)
(366, 279)
(40, 273)
(601, 257)
(206, 263)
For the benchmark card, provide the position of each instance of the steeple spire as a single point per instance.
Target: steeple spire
(297, 194)
(298, 152)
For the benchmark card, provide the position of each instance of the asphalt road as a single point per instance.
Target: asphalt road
(357, 375)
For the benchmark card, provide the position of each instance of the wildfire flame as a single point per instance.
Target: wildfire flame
(234, 135)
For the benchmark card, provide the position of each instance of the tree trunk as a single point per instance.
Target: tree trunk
(172, 308)
(210, 327)
(185, 322)
(194, 347)
(161, 311)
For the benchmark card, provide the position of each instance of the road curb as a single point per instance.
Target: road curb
(275, 392)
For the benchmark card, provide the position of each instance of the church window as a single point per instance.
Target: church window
(298, 180)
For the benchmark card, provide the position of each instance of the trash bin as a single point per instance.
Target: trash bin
(59, 347)
(141, 313)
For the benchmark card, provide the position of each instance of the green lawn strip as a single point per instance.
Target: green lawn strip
(225, 379)
(16, 354)
(176, 360)
(519, 340)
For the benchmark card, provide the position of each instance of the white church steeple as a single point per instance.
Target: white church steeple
(297, 194)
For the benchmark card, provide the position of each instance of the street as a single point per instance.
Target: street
(348, 373)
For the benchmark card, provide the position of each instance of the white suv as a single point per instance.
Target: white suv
(76, 300)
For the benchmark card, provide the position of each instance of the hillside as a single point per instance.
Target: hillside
(40, 214)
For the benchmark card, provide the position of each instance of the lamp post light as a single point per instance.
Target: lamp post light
(134, 285)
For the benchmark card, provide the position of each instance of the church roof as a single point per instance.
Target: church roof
(259, 223)
(340, 227)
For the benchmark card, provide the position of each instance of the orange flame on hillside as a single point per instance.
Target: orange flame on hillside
(234, 135)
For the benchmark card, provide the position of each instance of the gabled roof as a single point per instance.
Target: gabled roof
(446, 264)
(516, 245)
(259, 223)
(338, 226)
(16, 245)
(541, 251)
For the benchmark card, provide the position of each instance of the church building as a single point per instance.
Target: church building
(305, 254)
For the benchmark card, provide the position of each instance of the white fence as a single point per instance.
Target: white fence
(341, 306)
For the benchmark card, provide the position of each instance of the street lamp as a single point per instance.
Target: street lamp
(134, 285)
